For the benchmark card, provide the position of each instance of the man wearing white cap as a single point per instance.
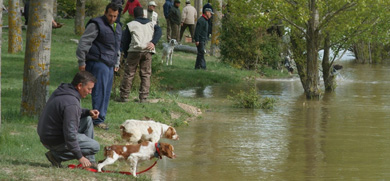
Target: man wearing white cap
(150, 13)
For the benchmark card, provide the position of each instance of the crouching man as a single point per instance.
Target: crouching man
(65, 128)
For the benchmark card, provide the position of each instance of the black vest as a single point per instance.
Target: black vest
(106, 45)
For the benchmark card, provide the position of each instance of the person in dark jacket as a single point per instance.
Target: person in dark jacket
(98, 52)
(174, 16)
(65, 128)
(210, 20)
(138, 43)
(201, 33)
(167, 6)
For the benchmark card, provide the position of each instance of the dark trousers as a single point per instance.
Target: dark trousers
(89, 147)
(184, 27)
(102, 90)
(144, 60)
(200, 61)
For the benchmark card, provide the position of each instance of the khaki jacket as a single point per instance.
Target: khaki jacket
(189, 15)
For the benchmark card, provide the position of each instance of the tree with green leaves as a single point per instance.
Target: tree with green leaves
(315, 25)
(37, 58)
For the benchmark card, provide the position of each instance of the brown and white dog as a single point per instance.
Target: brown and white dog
(136, 131)
(136, 153)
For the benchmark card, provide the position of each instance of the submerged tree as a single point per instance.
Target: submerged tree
(314, 25)
(37, 58)
(15, 27)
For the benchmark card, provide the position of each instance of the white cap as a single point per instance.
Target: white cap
(152, 3)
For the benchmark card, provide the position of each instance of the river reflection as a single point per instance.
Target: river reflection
(343, 136)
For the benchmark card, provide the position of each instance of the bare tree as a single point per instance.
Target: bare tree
(1, 32)
(198, 6)
(217, 24)
(15, 27)
(37, 58)
(55, 10)
(80, 16)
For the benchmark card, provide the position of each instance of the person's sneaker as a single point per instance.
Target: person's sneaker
(53, 160)
(102, 126)
(121, 99)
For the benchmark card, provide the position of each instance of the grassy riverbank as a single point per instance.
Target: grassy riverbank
(22, 155)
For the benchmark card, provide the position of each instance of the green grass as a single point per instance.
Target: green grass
(21, 153)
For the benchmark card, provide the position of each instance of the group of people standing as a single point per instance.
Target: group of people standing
(65, 128)
(178, 22)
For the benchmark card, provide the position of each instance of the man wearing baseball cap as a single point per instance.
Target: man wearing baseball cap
(201, 34)
(174, 17)
(150, 13)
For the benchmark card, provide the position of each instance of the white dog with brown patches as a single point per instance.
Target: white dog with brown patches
(136, 131)
(135, 154)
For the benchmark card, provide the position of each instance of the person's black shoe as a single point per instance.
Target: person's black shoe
(53, 160)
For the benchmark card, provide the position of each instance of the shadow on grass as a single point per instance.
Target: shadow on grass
(26, 163)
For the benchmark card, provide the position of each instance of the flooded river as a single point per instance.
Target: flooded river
(343, 136)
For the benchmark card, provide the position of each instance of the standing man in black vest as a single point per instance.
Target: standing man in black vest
(98, 52)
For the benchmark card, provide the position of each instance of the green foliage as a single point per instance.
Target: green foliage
(251, 99)
(244, 41)
(93, 8)
(66, 8)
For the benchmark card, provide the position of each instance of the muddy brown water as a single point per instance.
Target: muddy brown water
(343, 136)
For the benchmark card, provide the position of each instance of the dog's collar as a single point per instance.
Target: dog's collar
(157, 154)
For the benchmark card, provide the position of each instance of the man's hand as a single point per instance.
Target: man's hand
(150, 46)
(182, 24)
(197, 43)
(94, 113)
(116, 69)
(82, 68)
(84, 162)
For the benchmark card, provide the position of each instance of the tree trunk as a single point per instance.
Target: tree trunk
(329, 78)
(217, 24)
(1, 41)
(298, 49)
(199, 7)
(15, 27)
(80, 16)
(312, 90)
(37, 58)
(55, 10)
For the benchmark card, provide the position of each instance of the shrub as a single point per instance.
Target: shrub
(93, 8)
(251, 99)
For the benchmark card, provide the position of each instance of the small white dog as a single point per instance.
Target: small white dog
(168, 51)
(136, 131)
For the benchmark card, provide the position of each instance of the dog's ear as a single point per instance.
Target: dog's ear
(122, 128)
(169, 133)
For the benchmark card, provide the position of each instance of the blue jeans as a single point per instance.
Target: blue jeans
(200, 61)
(89, 147)
(102, 90)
